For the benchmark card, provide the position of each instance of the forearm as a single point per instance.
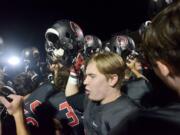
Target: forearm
(15, 109)
(21, 128)
(72, 87)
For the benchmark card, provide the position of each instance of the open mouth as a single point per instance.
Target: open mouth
(87, 91)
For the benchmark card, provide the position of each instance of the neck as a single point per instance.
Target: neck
(174, 83)
(111, 96)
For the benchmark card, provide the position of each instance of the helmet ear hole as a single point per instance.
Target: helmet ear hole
(68, 35)
(114, 49)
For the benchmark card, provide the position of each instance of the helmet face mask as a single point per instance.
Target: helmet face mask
(63, 41)
(53, 39)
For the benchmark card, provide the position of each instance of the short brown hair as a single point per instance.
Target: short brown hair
(109, 63)
(162, 38)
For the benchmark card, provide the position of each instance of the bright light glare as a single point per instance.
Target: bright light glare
(14, 60)
(27, 53)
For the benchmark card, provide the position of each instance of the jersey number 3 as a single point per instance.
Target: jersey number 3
(70, 114)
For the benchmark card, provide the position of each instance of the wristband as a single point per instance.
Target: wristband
(73, 80)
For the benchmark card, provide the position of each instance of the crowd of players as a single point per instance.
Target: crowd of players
(87, 86)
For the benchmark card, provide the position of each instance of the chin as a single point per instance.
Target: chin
(94, 98)
(90, 97)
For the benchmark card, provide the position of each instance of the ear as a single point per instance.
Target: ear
(163, 68)
(113, 79)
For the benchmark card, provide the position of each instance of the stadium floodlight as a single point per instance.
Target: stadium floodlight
(14, 60)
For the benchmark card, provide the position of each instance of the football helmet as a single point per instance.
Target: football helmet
(30, 55)
(120, 44)
(143, 27)
(92, 44)
(63, 41)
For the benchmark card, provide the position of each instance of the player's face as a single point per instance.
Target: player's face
(138, 65)
(96, 83)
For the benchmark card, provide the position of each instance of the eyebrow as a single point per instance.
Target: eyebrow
(90, 74)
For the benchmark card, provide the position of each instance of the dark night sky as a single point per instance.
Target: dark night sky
(23, 23)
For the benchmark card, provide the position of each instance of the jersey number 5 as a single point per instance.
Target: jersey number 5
(34, 105)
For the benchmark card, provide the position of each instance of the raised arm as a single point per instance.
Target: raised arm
(72, 86)
(15, 109)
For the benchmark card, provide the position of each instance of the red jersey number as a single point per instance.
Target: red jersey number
(70, 114)
(34, 104)
(31, 120)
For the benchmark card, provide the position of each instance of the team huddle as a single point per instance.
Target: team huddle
(87, 86)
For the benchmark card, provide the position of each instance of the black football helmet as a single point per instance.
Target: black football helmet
(31, 58)
(31, 54)
(120, 44)
(92, 44)
(63, 41)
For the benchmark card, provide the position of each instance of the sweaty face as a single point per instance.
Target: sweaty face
(96, 83)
